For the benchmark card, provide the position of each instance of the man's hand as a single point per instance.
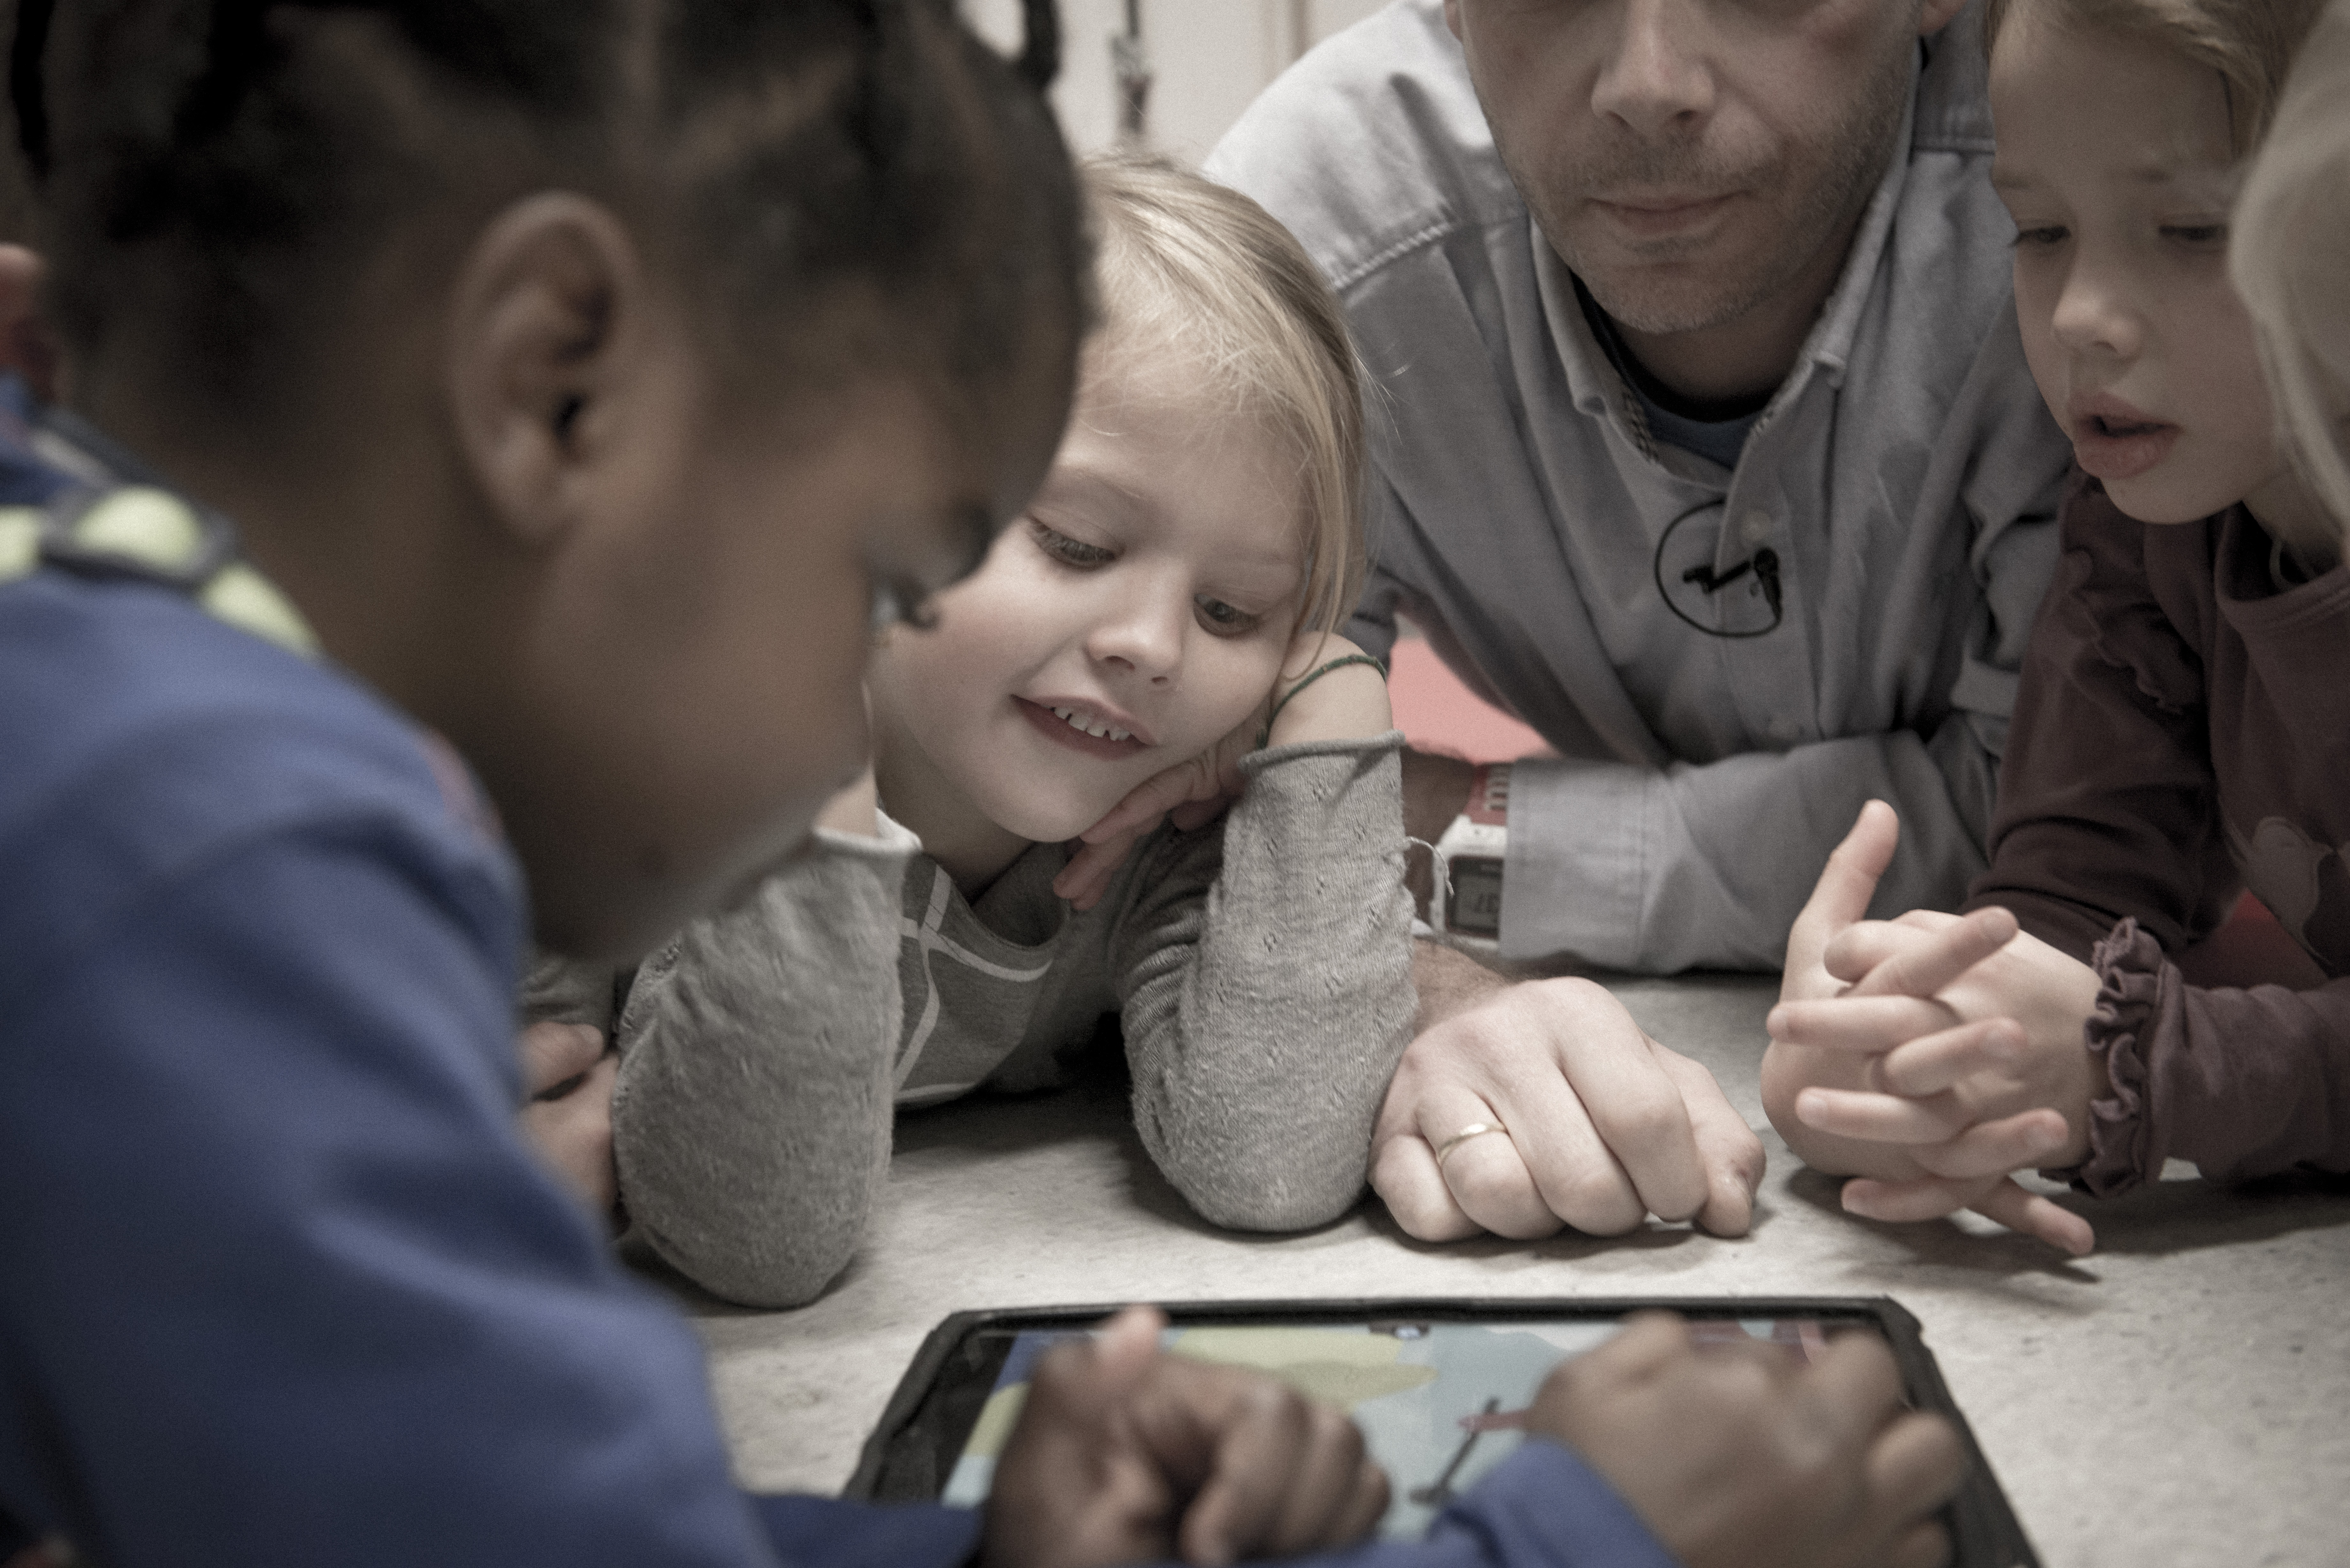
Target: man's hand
(1931, 1055)
(1601, 1125)
(569, 1076)
(1743, 1456)
(1124, 1455)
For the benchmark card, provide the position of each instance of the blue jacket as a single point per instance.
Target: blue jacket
(282, 1284)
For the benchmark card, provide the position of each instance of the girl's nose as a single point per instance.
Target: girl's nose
(1143, 634)
(2095, 313)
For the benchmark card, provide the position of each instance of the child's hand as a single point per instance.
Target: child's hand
(1745, 1455)
(1124, 1455)
(1931, 1055)
(1347, 704)
(569, 1077)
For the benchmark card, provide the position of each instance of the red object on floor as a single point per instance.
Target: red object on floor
(1437, 713)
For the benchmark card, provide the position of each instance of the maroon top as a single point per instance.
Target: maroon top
(2183, 732)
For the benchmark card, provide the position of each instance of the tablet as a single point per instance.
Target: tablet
(1439, 1389)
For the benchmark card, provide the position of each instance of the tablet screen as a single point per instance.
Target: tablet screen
(1439, 1402)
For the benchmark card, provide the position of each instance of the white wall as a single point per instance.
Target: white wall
(1210, 59)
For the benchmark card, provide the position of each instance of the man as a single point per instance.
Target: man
(1710, 451)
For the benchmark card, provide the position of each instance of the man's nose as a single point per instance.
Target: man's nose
(1655, 78)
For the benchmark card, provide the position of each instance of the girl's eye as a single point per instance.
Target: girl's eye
(2041, 234)
(2195, 234)
(897, 602)
(1224, 619)
(1067, 550)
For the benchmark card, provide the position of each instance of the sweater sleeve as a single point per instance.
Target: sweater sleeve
(1263, 973)
(2109, 806)
(2242, 1083)
(753, 1116)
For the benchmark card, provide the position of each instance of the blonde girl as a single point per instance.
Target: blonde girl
(1167, 599)
(2183, 728)
(2290, 258)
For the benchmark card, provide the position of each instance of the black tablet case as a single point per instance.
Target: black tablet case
(914, 1446)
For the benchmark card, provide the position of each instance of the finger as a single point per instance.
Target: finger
(1902, 1202)
(1261, 1444)
(1847, 882)
(2019, 1142)
(1933, 1063)
(1366, 1507)
(1321, 1491)
(1405, 1175)
(1860, 947)
(1881, 1118)
(1727, 1148)
(1915, 1466)
(1922, 1545)
(1647, 1344)
(1637, 1110)
(1923, 969)
(1490, 1176)
(1152, 799)
(554, 1053)
(1864, 1024)
(2030, 1214)
(1195, 814)
(1086, 877)
(1854, 1386)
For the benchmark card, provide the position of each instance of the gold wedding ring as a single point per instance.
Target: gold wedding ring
(1472, 1131)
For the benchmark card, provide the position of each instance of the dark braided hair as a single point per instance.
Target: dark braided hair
(216, 171)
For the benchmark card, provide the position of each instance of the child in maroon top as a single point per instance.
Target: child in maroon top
(2173, 741)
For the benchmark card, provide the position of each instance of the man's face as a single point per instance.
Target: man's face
(1692, 160)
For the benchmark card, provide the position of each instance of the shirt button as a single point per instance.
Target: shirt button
(1756, 529)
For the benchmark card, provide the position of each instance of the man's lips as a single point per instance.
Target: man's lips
(2115, 441)
(1658, 216)
(1056, 728)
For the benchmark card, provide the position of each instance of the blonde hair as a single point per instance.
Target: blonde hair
(2250, 42)
(1213, 272)
(2289, 256)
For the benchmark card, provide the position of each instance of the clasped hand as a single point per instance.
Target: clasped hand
(1347, 704)
(1734, 1455)
(1931, 1056)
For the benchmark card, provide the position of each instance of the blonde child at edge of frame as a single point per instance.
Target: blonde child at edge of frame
(2176, 740)
(1168, 595)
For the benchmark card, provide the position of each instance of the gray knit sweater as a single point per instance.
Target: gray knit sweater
(1260, 967)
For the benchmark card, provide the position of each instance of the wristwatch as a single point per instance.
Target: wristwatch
(1470, 857)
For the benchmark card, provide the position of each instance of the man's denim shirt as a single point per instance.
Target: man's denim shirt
(1905, 475)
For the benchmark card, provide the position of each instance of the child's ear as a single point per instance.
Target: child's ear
(548, 310)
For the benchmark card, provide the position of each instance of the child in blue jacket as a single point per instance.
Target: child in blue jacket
(529, 408)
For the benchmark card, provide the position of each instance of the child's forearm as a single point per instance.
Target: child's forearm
(1269, 990)
(753, 1113)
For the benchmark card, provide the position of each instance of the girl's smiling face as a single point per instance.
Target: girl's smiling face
(1136, 614)
(2115, 160)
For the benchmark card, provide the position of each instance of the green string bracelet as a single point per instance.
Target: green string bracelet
(1340, 662)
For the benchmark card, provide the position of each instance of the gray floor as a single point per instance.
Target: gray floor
(2177, 1398)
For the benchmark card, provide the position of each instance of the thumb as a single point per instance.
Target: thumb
(1847, 882)
(1083, 1383)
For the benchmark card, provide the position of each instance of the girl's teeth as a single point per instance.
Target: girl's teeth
(1091, 726)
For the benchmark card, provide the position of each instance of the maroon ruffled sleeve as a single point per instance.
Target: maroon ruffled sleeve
(2108, 801)
(2240, 1083)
